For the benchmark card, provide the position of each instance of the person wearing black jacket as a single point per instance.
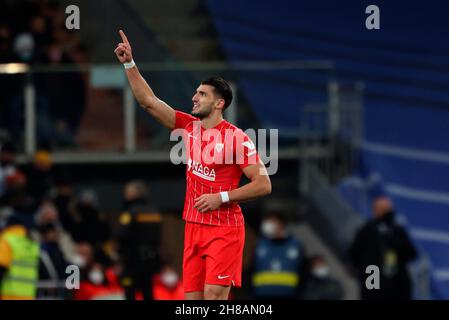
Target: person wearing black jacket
(385, 244)
(139, 240)
(90, 224)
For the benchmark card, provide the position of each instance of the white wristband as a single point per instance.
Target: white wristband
(224, 197)
(129, 65)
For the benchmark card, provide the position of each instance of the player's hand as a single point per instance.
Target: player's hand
(208, 202)
(123, 50)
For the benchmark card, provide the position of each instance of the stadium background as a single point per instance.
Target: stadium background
(359, 112)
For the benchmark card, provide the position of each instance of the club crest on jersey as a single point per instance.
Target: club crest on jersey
(219, 147)
(201, 171)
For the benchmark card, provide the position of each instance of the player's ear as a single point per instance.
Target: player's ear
(220, 104)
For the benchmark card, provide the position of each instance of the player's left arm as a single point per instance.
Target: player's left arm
(259, 185)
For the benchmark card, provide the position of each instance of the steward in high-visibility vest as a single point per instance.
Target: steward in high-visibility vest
(278, 265)
(19, 264)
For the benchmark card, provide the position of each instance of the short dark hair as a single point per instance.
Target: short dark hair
(221, 88)
(278, 215)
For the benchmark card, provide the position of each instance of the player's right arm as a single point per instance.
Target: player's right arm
(160, 110)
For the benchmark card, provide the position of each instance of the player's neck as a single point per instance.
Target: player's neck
(211, 121)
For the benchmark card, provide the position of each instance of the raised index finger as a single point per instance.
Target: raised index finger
(124, 38)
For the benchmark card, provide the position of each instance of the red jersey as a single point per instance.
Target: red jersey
(215, 159)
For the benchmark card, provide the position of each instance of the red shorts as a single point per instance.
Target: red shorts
(212, 255)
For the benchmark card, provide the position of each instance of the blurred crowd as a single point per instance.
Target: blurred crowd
(45, 227)
(378, 258)
(38, 36)
(282, 269)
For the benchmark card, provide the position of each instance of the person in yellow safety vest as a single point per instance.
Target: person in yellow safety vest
(19, 262)
(278, 270)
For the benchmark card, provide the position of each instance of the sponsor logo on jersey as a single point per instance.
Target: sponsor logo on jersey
(201, 171)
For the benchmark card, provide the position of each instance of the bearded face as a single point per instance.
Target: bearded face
(202, 111)
(204, 101)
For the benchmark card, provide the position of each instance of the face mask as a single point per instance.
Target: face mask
(321, 272)
(169, 279)
(79, 261)
(268, 229)
(388, 216)
(96, 276)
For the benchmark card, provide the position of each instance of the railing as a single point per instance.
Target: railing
(88, 114)
(52, 290)
(335, 131)
(332, 134)
(339, 216)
